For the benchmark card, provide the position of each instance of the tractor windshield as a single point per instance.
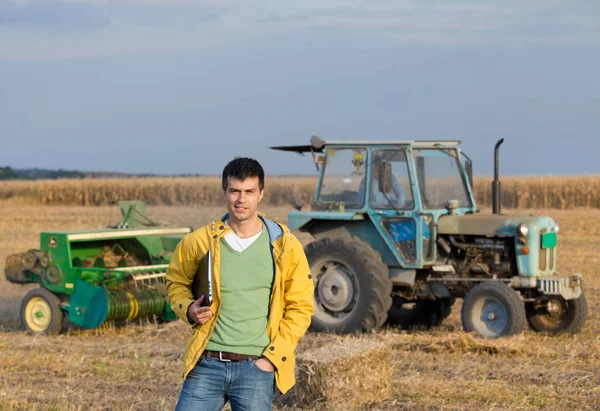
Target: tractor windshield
(440, 178)
(343, 172)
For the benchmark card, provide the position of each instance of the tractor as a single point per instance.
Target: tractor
(100, 277)
(398, 238)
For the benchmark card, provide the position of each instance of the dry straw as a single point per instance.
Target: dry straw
(517, 192)
(344, 375)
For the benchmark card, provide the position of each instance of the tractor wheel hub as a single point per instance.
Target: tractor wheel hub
(554, 307)
(335, 289)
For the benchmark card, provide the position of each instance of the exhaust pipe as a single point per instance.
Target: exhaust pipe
(496, 200)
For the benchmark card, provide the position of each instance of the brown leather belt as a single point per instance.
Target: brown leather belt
(229, 356)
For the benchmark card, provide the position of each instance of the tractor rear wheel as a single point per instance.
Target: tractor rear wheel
(493, 310)
(41, 312)
(557, 315)
(421, 314)
(352, 286)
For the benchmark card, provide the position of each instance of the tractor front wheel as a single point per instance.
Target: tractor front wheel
(557, 315)
(41, 312)
(493, 310)
(352, 286)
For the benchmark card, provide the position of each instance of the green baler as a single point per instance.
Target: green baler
(95, 277)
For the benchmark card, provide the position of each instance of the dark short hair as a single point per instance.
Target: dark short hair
(242, 168)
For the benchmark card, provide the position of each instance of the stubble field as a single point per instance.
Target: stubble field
(138, 367)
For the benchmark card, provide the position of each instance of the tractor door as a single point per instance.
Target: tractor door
(440, 178)
(392, 209)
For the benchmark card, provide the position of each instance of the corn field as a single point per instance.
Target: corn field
(517, 192)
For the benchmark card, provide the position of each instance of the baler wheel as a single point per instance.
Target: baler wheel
(41, 312)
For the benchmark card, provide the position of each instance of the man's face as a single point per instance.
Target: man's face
(242, 198)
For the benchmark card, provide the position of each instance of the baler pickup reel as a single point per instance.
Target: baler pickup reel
(119, 294)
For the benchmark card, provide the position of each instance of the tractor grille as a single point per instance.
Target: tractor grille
(567, 287)
(552, 286)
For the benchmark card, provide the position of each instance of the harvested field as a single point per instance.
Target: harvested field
(341, 374)
(518, 192)
(138, 367)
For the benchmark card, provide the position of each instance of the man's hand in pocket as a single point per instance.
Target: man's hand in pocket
(265, 365)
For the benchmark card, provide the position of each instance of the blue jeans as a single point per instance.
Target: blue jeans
(212, 382)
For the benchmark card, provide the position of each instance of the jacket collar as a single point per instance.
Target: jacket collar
(274, 229)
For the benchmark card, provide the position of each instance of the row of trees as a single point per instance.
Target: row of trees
(9, 173)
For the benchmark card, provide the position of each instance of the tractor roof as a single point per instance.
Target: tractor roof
(317, 144)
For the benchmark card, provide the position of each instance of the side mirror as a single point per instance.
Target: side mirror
(385, 177)
(318, 159)
(469, 170)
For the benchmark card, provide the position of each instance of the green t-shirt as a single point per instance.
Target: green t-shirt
(246, 279)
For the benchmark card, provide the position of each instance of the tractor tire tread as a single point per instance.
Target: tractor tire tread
(380, 293)
(573, 325)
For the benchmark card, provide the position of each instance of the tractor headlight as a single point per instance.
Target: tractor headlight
(522, 230)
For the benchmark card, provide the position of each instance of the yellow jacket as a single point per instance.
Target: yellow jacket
(291, 304)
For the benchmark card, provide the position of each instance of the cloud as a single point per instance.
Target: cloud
(47, 29)
(51, 14)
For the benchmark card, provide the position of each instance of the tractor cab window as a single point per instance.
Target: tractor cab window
(400, 197)
(343, 172)
(440, 178)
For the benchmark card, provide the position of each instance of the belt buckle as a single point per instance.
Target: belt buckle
(221, 357)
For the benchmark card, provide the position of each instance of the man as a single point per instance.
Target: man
(263, 301)
(395, 198)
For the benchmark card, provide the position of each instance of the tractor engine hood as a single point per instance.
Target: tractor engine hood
(491, 224)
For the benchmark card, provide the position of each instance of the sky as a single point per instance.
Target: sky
(184, 86)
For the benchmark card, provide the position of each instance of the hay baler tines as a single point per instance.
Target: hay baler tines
(97, 277)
